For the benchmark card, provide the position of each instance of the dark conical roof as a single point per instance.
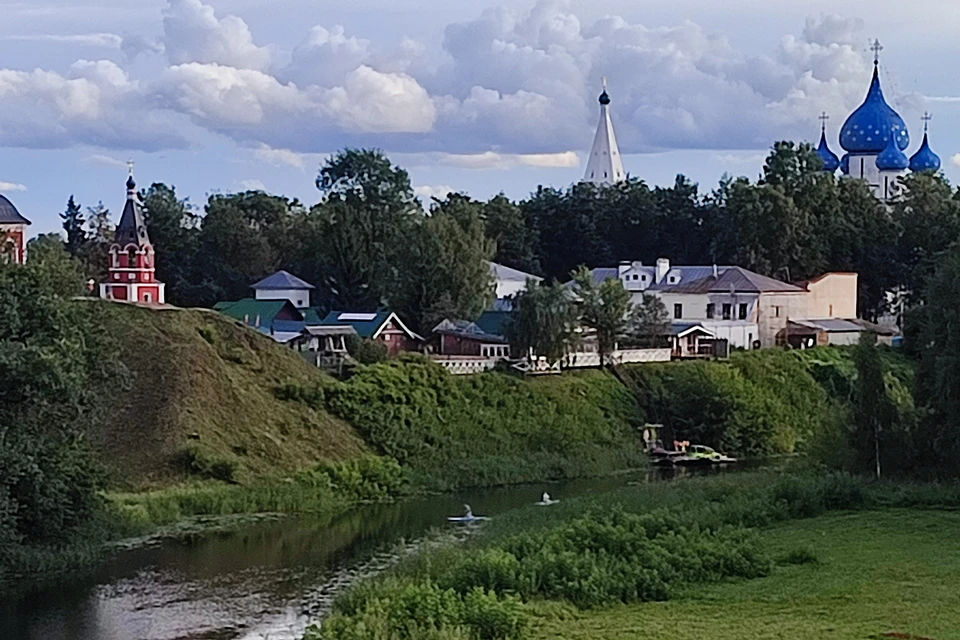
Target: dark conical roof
(9, 213)
(132, 229)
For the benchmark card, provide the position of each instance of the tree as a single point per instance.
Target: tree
(174, 230)
(604, 308)
(444, 270)
(73, 224)
(505, 225)
(873, 409)
(543, 322)
(95, 252)
(649, 322)
(928, 216)
(62, 273)
(361, 228)
(934, 337)
(245, 237)
(55, 358)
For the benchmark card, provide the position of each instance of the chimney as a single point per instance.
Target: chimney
(622, 268)
(663, 267)
(716, 272)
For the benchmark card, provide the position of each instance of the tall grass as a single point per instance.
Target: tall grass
(626, 546)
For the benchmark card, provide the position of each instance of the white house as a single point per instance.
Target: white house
(509, 281)
(745, 308)
(284, 286)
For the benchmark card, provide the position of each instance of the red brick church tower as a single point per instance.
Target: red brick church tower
(131, 271)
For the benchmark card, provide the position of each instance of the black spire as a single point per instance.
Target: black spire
(132, 229)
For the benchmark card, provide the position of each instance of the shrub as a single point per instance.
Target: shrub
(197, 460)
(799, 556)
(405, 610)
(363, 478)
(366, 351)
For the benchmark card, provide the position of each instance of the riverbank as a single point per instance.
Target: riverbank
(662, 544)
(870, 574)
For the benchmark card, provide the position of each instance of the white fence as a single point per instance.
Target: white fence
(465, 365)
(624, 356)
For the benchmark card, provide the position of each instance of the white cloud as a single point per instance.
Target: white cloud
(193, 33)
(253, 185)
(503, 161)
(955, 159)
(105, 40)
(110, 161)
(280, 157)
(508, 88)
(427, 192)
(12, 186)
(752, 159)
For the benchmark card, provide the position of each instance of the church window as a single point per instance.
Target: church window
(130, 276)
(673, 279)
(604, 174)
(147, 298)
(132, 259)
(644, 278)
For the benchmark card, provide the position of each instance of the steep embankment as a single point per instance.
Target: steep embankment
(202, 402)
(491, 428)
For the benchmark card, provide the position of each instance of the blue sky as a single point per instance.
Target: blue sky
(480, 97)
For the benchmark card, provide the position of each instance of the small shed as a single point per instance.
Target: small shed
(806, 334)
(693, 340)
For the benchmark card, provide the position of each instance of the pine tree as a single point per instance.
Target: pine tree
(73, 224)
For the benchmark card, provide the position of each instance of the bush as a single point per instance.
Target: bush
(799, 556)
(406, 610)
(366, 351)
(364, 478)
(197, 460)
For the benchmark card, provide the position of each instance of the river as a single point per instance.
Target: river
(266, 581)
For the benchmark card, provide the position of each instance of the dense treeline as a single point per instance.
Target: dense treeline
(369, 243)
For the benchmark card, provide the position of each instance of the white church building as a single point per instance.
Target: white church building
(875, 139)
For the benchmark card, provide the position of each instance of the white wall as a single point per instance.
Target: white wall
(299, 297)
(507, 288)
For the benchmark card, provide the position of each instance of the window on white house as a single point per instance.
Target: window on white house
(743, 311)
(776, 312)
(711, 310)
(673, 279)
(636, 277)
(644, 278)
(727, 310)
(678, 310)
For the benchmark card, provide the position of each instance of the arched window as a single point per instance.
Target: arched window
(132, 257)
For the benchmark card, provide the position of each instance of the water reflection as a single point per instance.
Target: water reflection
(264, 582)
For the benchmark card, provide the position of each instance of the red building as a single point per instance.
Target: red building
(131, 271)
(13, 233)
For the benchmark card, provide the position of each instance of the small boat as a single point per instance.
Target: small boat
(467, 517)
(545, 501)
(700, 454)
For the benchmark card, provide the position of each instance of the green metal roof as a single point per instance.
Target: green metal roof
(494, 322)
(248, 309)
(366, 324)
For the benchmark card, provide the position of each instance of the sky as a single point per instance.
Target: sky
(217, 96)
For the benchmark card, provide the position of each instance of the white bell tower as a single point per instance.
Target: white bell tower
(604, 166)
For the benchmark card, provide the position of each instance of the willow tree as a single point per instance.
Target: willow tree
(604, 307)
(544, 321)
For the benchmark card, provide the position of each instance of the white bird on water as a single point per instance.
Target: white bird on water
(466, 517)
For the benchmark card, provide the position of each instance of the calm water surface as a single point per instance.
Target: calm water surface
(267, 581)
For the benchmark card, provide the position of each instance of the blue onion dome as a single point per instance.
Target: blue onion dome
(892, 158)
(867, 128)
(925, 159)
(830, 159)
(131, 183)
(845, 164)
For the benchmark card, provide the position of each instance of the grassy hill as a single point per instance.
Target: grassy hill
(201, 402)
